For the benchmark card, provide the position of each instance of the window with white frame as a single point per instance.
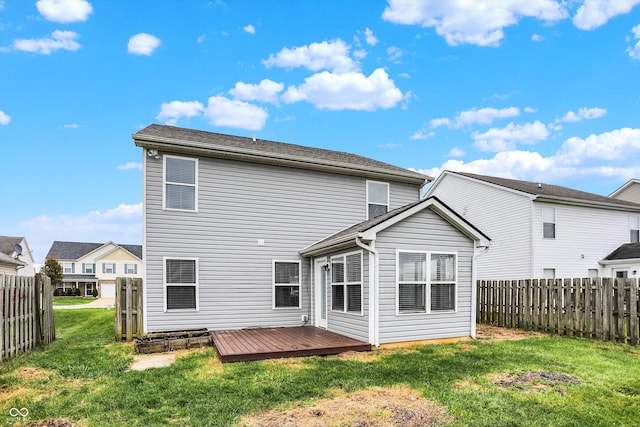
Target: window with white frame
(377, 198)
(549, 222)
(181, 283)
(286, 284)
(427, 282)
(180, 183)
(68, 267)
(109, 268)
(346, 283)
(88, 268)
(634, 228)
(549, 273)
(131, 269)
(592, 273)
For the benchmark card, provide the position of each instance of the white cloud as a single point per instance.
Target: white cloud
(501, 139)
(369, 37)
(5, 119)
(222, 111)
(171, 112)
(64, 40)
(64, 11)
(455, 152)
(122, 224)
(471, 22)
(266, 91)
(609, 154)
(595, 13)
(130, 165)
(537, 38)
(583, 114)
(348, 91)
(394, 53)
(201, 38)
(143, 44)
(483, 116)
(422, 134)
(71, 126)
(249, 29)
(333, 56)
(389, 145)
(634, 51)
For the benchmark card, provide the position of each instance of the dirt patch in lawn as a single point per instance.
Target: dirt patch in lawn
(543, 381)
(388, 407)
(488, 332)
(57, 422)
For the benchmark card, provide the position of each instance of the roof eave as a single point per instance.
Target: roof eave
(606, 262)
(330, 246)
(582, 202)
(232, 153)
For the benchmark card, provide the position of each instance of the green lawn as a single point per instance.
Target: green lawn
(83, 377)
(72, 300)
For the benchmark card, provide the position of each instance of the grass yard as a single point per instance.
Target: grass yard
(83, 377)
(72, 300)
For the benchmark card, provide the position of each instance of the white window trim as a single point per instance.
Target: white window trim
(129, 264)
(368, 203)
(165, 284)
(112, 265)
(273, 284)
(555, 222)
(164, 183)
(87, 264)
(636, 219)
(345, 284)
(428, 282)
(66, 265)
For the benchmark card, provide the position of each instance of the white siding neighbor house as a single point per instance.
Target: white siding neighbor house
(243, 232)
(15, 256)
(91, 266)
(630, 191)
(540, 230)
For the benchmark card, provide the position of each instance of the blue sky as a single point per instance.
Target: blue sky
(537, 90)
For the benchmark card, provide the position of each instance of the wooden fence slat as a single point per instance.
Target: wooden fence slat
(633, 313)
(620, 329)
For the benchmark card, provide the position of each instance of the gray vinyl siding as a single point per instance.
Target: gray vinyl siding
(424, 231)
(503, 215)
(350, 324)
(238, 204)
(630, 194)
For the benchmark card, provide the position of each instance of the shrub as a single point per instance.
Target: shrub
(69, 292)
(56, 292)
(95, 292)
(76, 292)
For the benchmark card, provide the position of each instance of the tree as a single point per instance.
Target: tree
(53, 269)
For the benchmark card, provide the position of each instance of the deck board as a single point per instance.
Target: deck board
(271, 343)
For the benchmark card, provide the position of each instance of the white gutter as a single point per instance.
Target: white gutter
(374, 315)
(474, 287)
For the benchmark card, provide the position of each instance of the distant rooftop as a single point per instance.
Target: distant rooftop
(75, 250)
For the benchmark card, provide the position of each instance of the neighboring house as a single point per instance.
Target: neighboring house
(539, 230)
(630, 191)
(243, 233)
(624, 262)
(15, 256)
(89, 266)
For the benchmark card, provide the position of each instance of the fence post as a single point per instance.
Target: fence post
(633, 311)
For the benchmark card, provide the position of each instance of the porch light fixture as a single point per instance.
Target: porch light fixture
(153, 153)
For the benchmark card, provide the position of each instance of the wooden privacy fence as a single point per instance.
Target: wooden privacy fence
(599, 308)
(128, 308)
(26, 313)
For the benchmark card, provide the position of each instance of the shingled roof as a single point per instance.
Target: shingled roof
(76, 250)
(626, 251)
(176, 139)
(7, 243)
(552, 192)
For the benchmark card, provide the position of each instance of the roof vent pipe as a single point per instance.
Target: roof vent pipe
(539, 185)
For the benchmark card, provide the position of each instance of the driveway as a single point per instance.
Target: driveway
(99, 303)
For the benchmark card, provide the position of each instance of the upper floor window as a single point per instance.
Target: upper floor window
(180, 183)
(131, 269)
(426, 280)
(181, 283)
(634, 228)
(286, 284)
(88, 268)
(68, 267)
(549, 222)
(346, 283)
(109, 268)
(377, 198)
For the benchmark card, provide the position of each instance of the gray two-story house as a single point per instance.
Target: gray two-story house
(243, 232)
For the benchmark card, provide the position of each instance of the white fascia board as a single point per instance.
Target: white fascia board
(586, 203)
(606, 262)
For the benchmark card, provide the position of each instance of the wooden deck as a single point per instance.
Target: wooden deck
(273, 343)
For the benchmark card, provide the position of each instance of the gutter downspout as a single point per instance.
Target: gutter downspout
(474, 286)
(374, 316)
